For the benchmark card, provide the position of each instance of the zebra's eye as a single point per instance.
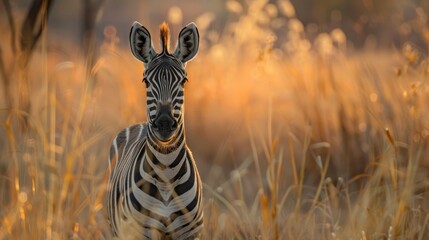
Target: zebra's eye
(146, 82)
(184, 81)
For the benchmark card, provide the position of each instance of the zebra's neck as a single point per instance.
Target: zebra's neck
(166, 152)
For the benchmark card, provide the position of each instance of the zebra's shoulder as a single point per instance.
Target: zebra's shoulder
(127, 137)
(133, 132)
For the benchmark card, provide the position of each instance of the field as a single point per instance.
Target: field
(295, 137)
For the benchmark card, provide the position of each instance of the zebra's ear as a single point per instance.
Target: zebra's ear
(141, 43)
(187, 43)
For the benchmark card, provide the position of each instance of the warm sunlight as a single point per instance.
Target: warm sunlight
(306, 119)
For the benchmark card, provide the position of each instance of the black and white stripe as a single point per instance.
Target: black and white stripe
(155, 191)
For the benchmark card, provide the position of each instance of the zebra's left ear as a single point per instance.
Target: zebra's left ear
(187, 43)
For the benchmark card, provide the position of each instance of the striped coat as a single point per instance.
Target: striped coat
(162, 193)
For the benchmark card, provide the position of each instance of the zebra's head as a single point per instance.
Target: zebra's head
(164, 76)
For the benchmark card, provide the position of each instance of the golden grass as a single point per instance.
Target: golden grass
(294, 140)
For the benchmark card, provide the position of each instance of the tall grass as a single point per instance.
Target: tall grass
(295, 139)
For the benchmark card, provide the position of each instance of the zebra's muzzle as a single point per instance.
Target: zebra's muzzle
(164, 127)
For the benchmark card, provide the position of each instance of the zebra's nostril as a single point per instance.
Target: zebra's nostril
(174, 126)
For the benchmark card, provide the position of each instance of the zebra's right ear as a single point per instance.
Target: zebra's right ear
(141, 43)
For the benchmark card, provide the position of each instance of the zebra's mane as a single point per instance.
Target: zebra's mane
(165, 34)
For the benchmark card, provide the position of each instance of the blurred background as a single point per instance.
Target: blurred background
(296, 110)
(365, 22)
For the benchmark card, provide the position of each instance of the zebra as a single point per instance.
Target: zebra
(154, 189)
